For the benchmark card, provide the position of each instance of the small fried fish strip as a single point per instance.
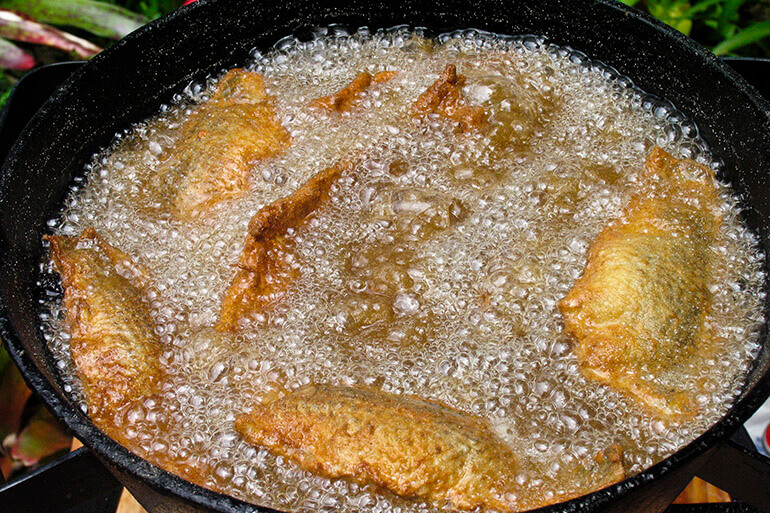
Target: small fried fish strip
(343, 100)
(261, 275)
(410, 446)
(235, 127)
(444, 97)
(639, 309)
(112, 340)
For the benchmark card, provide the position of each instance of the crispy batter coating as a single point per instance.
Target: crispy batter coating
(640, 306)
(444, 97)
(112, 340)
(343, 100)
(410, 446)
(262, 274)
(236, 126)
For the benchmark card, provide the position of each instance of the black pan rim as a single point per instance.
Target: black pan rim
(117, 457)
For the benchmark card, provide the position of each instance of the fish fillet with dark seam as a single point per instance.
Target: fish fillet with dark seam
(112, 339)
(639, 309)
(236, 127)
(414, 448)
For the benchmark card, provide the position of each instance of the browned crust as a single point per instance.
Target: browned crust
(344, 99)
(262, 275)
(412, 447)
(646, 272)
(112, 339)
(444, 97)
(238, 125)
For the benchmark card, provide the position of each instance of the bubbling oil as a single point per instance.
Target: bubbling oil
(434, 269)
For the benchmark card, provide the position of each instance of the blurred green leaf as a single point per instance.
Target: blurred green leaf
(726, 26)
(42, 437)
(5, 358)
(6, 84)
(751, 34)
(700, 7)
(22, 28)
(13, 57)
(630, 3)
(151, 8)
(4, 97)
(99, 18)
(728, 18)
(671, 12)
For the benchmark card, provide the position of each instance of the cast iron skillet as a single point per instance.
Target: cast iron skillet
(129, 81)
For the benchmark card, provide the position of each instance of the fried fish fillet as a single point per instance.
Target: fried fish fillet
(412, 447)
(235, 127)
(343, 100)
(112, 339)
(639, 309)
(262, 273)
(444, 97)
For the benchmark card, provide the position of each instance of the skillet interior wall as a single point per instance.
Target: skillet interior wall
(128, 83)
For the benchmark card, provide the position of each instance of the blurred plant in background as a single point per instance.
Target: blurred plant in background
(727, 27)
(28, 432)
(34, 32)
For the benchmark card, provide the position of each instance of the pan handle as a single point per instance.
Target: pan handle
(27, 96)
(736, 467)
(76, 482)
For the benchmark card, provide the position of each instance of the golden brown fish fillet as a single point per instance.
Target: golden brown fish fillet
(640, 306)
(262, 273)
(444, 97)
(343, 100)
(412, 447)
(235, 127)
(112, 339)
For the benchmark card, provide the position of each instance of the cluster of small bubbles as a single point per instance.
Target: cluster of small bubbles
(434, 269)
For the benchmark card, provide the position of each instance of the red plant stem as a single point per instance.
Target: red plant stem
(13, 57)
(19, 27)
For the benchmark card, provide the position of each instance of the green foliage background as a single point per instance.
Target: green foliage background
(150, 8)
(727, 27)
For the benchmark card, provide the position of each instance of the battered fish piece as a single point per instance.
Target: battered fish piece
(412, 447)
(444, 97)
(639, 309)
(263, 274)
(344, 99)
(237, 126)
(112, 339)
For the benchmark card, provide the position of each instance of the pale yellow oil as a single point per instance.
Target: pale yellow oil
(434, 270)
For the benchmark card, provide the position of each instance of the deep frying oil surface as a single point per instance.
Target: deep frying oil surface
(434, 270)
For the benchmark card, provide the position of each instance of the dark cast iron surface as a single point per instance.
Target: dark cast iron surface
(130, 80)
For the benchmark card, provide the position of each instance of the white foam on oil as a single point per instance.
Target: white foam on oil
(434, 270)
